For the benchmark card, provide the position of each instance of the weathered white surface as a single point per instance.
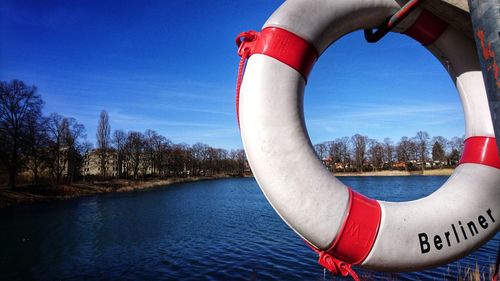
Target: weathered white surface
(470, 192)
(311, 200)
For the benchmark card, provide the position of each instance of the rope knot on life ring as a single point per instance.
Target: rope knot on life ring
(245, 42)
(279, 44)
(336, 266)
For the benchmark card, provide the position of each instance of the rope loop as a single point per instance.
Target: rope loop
(245, 42)
(336, 266)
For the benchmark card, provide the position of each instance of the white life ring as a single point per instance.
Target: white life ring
(446, 225)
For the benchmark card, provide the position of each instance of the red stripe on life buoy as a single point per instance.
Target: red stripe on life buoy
(481, 150)
(279, 44)
(286, 47)
(427, 28)
(358, 233)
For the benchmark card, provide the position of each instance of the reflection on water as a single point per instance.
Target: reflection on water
(215, 230)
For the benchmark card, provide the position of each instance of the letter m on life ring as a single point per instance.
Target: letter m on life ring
(359, 230)
(362, 222)
(354, 229)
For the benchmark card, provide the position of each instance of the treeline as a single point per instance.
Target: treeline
(53, 148)
(38, 148)
(360, 153)
(149, 154)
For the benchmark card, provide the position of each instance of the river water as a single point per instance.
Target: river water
(208, 230)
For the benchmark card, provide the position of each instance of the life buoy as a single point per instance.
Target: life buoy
(340, 223)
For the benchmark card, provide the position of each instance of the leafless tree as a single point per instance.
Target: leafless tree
(439, 148)
(119, 140)
(63, 146)
(342, 151)
(181, 159)
(153, 149)
(456, 145)
(321, 150)
(404, 150)
(238, 157)
(36, 147)
(165, 158)
(19, 104)
(220, 160)
(422, 142)
(359, 143)
(332, 153)
(213, 158)
(376, 154)
(103, 137)
(389, 152)
(72, 134)
(134, 148)
(200, 157)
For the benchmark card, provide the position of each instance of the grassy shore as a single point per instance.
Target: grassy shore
(43, 193)
(436, 172)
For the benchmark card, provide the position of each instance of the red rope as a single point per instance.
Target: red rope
(336, 266)
(353, 274)
(238, 86)
(244, 51)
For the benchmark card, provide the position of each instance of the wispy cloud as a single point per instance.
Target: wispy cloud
(381, 120)
(143, 120)
(366, 110)
(223, 137)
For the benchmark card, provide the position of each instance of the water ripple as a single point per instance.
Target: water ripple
(214, 230)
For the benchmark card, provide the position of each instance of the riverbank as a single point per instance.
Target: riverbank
(33, 194)
(435, 172)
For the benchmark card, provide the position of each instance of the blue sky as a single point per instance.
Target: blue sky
(171, 66)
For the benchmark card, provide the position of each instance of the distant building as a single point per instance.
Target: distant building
(92, 164)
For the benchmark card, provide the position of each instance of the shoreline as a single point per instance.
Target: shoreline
(47, 193)
(397, 173)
